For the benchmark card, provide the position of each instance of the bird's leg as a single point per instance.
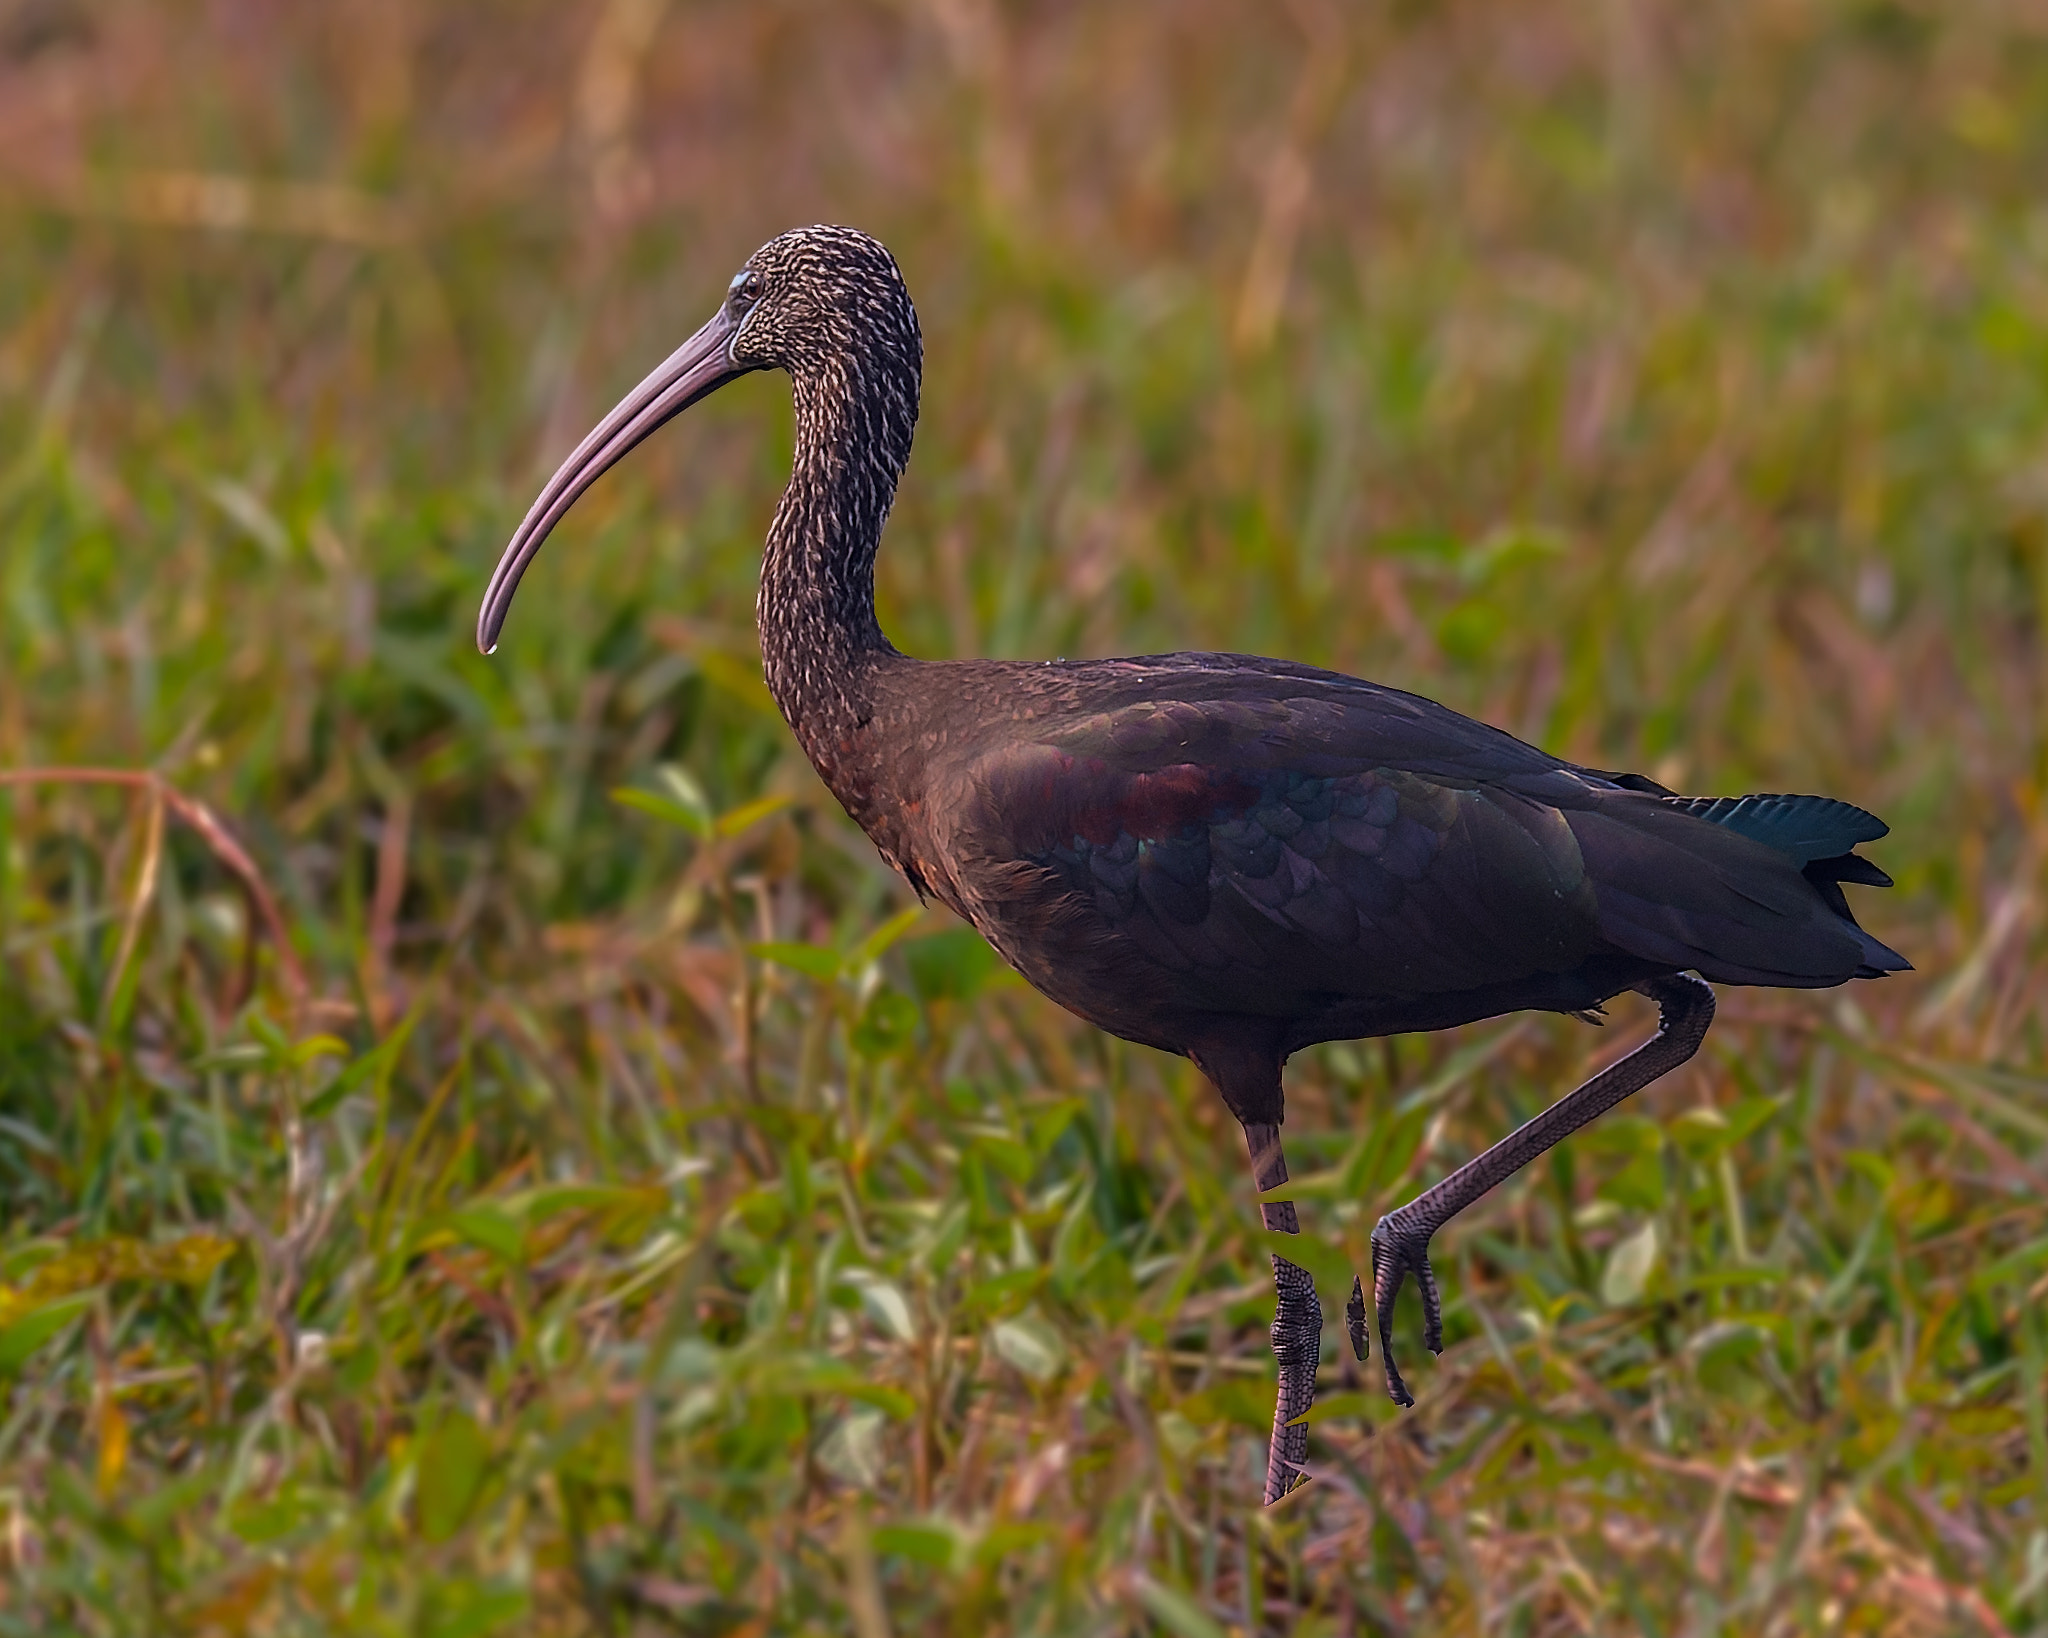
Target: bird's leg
(1400, 1244)
(1297, 1321)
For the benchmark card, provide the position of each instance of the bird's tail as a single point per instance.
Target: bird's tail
(1820, 835)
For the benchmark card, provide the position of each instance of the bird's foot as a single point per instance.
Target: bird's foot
(1400, 1247)
(1297, 1347)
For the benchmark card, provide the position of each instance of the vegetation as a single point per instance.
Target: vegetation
(554, 1181)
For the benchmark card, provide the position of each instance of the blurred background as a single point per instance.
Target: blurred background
(485, 1146)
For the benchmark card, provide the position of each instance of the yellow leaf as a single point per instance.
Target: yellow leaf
(750, 814)
(113, 1432)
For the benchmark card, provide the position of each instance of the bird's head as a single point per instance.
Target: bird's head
(827, 304)
(815, 297)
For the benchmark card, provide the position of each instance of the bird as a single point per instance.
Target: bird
(1221, 856)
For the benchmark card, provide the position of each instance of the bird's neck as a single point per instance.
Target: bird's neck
(821, 646)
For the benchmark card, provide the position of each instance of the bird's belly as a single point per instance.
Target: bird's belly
(1067, 952)
(1026, 927)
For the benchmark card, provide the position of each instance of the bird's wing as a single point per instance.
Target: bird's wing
(1222, 841)
(1369, 843)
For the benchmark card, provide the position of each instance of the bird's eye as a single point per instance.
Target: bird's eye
(745, 288)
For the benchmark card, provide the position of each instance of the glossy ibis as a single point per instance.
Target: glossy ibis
(1221, 856)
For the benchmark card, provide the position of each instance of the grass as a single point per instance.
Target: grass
(597, 1204)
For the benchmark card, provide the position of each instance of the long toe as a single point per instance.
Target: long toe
(1432, 1302)
(1397, 1390)
(1388, 1274)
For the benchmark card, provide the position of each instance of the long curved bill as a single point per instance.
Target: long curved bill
(697, 368)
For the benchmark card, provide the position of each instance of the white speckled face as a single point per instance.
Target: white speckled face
(819, 294)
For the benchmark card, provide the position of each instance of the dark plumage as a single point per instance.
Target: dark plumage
(1215, 854)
